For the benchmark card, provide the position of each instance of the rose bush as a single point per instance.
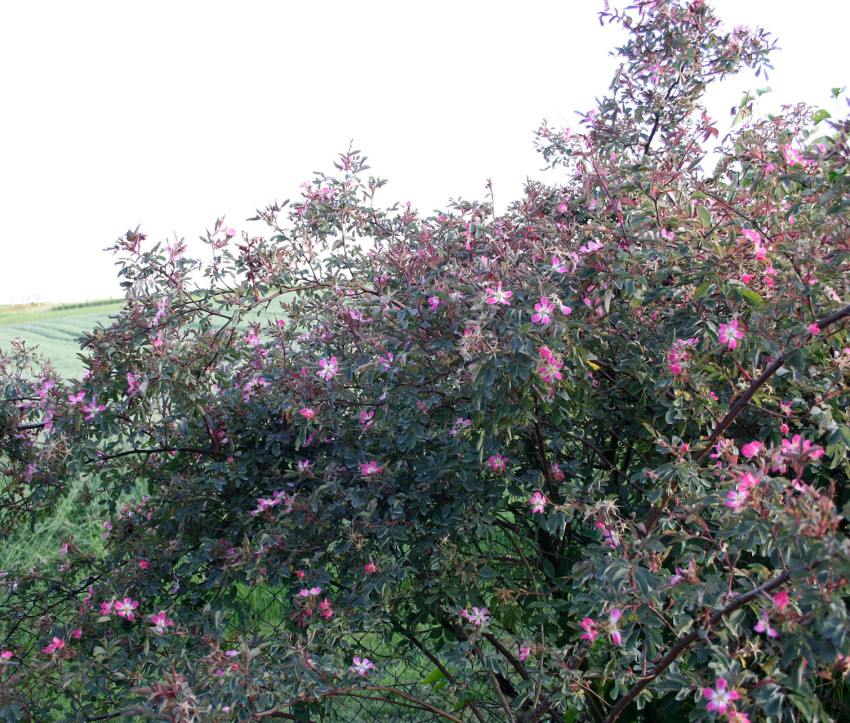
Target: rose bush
(587, 459)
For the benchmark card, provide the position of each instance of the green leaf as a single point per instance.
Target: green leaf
(751, 297)
(645, 580)
(704, 216)
(432, 677)
(806, 706)
(702, 290)
(820, 115)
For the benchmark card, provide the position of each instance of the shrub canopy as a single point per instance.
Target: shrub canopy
(585, 459)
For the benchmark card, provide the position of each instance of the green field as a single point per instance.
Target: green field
(55, 329)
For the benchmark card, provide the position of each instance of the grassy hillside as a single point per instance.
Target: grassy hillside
(55, 328)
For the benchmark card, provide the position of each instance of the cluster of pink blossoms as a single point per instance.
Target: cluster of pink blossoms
(550, 371)
(760, 252)
(278, 498)
(594, 304)
(89, 409)
(737, 497)
(797, 452)
(609, 535)
(326, 610)
(251, 386)
(133, 385)
(310, 597)
(55, 646)
(161, 311)
(781, 601)
(253, 339)
(591, 627)
(590, 247)
(459, 425)
(680, 352)
(798, 448)
(794, 450)
(44, 402)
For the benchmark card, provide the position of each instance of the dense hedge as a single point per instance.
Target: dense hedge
(585, 459)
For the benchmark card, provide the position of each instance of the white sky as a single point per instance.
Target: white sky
(171, 113)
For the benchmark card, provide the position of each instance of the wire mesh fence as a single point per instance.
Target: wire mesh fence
(402, 687)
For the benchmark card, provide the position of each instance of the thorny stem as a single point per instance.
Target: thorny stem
(685, 642)
(736, 410)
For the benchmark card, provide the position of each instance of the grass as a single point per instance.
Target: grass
(54, 328)
(28, 547)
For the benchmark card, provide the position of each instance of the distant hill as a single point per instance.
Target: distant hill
(55, 328)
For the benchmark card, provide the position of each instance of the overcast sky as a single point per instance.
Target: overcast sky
(171, 114)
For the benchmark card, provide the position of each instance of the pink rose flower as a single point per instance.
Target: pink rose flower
(729, 334)
(498, 296)
(720, 696)
(361, 667)
(751, 449)
(538, 502)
